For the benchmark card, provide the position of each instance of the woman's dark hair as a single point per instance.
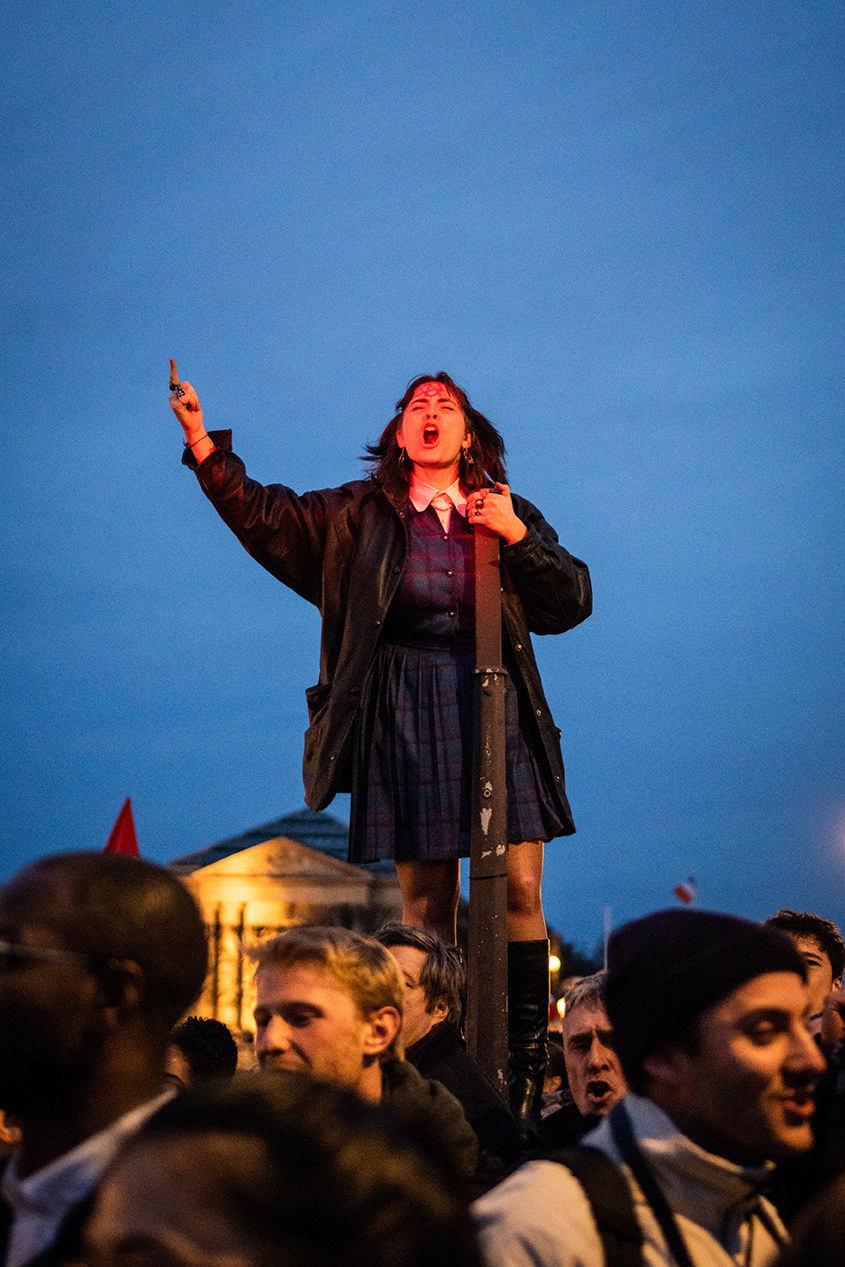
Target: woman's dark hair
(487, 448)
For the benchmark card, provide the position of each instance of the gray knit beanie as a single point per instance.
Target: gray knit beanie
(666, 968)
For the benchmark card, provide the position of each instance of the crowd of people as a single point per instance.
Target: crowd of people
(701, 1120)
(694, 1111)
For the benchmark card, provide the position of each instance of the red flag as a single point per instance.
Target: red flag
(685, 892)
(123, 838)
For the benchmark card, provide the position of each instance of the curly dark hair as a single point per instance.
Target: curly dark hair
(487, 448)
(823, 932)
(207, 1045)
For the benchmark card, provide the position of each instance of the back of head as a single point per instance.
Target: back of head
(111, 906)
(307, 1174)
(442, 975)
(208, 1047)
(357, 964)
(667, 968)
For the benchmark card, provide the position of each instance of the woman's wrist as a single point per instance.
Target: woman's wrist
(516, 533)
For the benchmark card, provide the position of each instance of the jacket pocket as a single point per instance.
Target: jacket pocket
(316, 698)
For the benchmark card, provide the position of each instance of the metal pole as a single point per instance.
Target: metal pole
(487, 967)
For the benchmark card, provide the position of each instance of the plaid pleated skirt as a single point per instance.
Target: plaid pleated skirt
(413, 761)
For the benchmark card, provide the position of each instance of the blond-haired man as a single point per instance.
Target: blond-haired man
(329, 1001)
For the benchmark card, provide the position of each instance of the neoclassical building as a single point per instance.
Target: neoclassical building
(291, 871)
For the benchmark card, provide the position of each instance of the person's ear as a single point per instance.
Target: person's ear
(382, 1027)
(440, 1011)
(120, 990)
(668, 1063)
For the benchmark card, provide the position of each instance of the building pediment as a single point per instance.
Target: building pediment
(280, 859)
(287, 872)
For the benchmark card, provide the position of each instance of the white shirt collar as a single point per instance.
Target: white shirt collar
(422, 494)
(41, 1201)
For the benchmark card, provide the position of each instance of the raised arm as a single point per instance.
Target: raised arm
(185, 404)
(283, 531)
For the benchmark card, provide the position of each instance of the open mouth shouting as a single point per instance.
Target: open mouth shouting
(599, 1093)
(433, 428)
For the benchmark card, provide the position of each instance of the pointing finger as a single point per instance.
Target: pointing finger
(175, 385)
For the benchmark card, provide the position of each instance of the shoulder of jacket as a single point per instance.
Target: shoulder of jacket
(360, 488)
(357, 494)
(523, 506)
(539, 1215)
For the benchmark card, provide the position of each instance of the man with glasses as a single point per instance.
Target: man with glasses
(100, 955)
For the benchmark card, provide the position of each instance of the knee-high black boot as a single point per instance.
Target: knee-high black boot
(528, 1026)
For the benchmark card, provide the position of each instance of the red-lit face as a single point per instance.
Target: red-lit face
(433, 429)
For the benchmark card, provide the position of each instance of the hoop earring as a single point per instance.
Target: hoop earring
(466, 457)
(403, 457)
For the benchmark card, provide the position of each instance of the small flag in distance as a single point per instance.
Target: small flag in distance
(685, 892)
(123, 838)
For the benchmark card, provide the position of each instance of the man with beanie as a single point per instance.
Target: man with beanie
(709, 1020)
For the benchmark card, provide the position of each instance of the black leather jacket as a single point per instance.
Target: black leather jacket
(343, 549)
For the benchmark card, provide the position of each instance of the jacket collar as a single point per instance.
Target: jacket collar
(439, 1041)
(699, 1186)
(396, 493)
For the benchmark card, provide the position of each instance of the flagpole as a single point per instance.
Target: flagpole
(607, 928)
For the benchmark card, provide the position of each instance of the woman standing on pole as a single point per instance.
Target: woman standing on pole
(389, 562)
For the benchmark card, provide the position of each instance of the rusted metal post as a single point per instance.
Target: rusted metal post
(487, 966)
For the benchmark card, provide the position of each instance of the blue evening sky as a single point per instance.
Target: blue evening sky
(619, 225)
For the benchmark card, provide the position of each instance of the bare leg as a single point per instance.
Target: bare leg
(525, 903)
(430, 895)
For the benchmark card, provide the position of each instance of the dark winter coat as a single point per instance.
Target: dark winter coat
(431, 1111)
(441, 1054)
(344, 549)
